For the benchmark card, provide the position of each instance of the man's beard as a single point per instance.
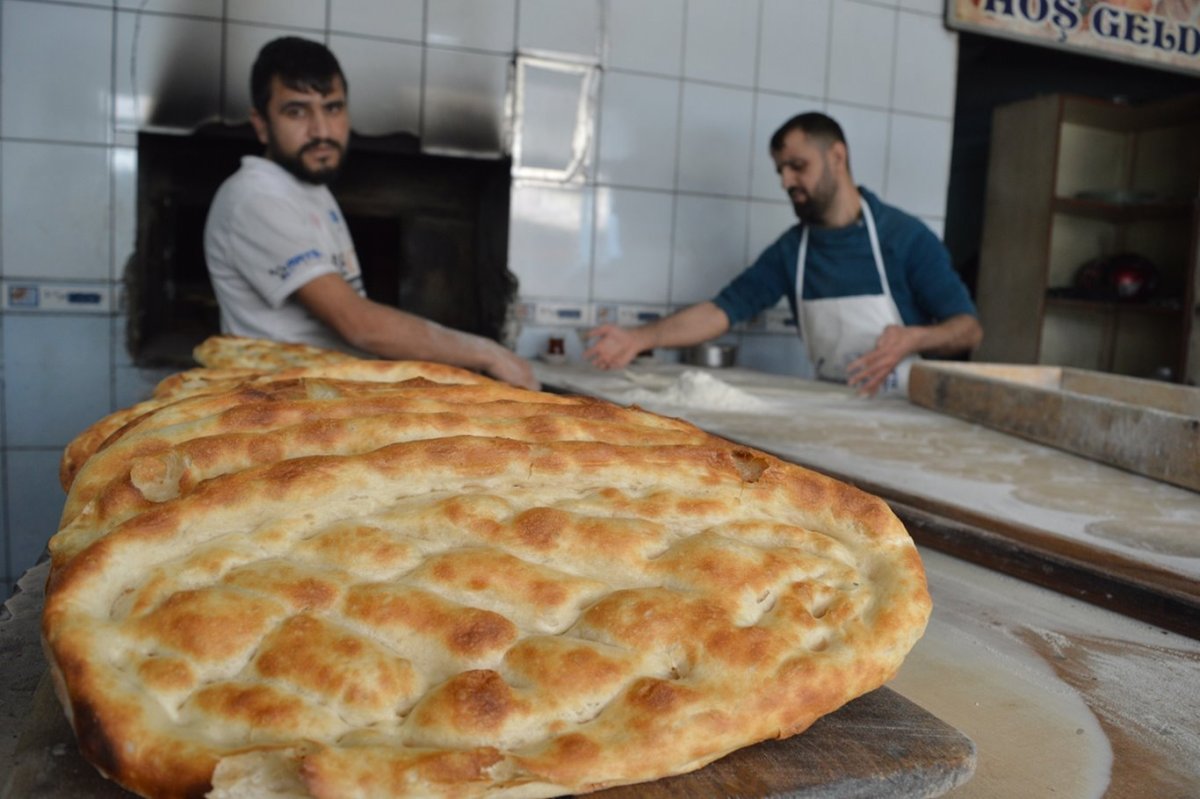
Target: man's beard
(295, 163)
(814, 210)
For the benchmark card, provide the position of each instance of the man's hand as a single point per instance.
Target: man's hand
(511, 368)
(957, 334)
(398, 335)
(866, 374)
(613, 347)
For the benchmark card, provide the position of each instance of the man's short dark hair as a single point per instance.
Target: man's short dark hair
(301, 64)
(813, 124)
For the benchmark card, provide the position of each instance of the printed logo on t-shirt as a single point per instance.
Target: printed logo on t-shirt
(333, 215)
(284, 271)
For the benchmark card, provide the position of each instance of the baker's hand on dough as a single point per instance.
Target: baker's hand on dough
(512, 369)
(613, 347)
(867, 373)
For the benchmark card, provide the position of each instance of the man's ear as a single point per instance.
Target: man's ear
(260, 125)
(839, 156)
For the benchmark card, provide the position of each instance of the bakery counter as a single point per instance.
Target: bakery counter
(1061, 698)
(1111, 537)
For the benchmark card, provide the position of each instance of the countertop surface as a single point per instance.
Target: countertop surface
(892, 443)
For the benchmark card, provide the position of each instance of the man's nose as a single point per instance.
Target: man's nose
(318, 125)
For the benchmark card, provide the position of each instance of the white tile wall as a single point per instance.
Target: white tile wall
(37, 500)
(123, 169)
(922, 82)
(566, 27)
(793, 46)
(464, 101)
(469, 23)
(714, 140)
(385, 83)
(195, 8)
(721, 42)
(861, 46)
(168, 71)
(866, 131)
(63, 58)
(682, 194)
(6, 584)
(919, 164)
(646, 37)
(57, 377)
(392, 19)
(634, 110)
(554, 134)
(709, 247)
(933, 7)
(297, 13)
(56, 210)
(550, 239)
(633, 246)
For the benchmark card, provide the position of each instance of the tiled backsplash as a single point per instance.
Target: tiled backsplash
(674, 196)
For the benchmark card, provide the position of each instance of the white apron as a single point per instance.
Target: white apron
(839, 330)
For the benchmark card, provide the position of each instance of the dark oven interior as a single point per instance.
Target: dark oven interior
(430, 232)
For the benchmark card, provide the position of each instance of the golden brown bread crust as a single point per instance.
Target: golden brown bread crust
(201, 382)
(223, 352)
(456, 591)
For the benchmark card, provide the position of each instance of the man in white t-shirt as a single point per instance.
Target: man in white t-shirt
(278, 250)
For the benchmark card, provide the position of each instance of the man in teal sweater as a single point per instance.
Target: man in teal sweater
(871, 286)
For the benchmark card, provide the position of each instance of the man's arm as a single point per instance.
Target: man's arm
(613, 347)
(391, 333)
(958, 334)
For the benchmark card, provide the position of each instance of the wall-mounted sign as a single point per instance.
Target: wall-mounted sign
(1159, 33)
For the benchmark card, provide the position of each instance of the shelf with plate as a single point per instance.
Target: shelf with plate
(1078, 188)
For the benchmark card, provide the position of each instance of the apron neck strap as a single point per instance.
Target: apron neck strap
(876, 252)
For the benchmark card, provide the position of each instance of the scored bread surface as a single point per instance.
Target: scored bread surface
(303, 589)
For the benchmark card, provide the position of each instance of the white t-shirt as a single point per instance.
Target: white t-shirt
(269, 233)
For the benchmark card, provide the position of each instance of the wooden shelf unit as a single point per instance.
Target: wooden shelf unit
(1075, 178)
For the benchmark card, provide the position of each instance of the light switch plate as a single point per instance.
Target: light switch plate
(20, 295)
(638, 314)
(541, 312)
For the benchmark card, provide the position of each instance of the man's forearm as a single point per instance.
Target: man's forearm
(958, 334)
(394, 334)
(692, 325)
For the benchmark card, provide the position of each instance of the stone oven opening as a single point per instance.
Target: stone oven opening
(430, 231)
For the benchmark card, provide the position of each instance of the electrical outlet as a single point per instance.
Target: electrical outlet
(57, 297)
(561, 313)
(629, 315)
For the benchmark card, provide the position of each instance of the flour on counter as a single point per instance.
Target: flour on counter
(695, 389)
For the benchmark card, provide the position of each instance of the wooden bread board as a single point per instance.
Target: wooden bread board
(880, 746)
(1143, 426)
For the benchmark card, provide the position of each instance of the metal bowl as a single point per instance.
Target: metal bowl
(711, 354)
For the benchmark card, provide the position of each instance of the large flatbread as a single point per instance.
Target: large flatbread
(207, 381)
(223, 352)
(306, 589)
